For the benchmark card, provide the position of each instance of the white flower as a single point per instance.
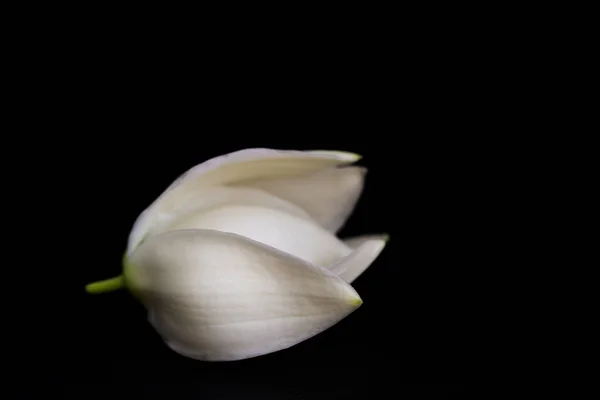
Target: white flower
(239, 258)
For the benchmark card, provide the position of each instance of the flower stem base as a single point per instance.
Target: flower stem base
(105, 286)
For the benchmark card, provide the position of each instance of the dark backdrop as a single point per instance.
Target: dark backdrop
(110, 157)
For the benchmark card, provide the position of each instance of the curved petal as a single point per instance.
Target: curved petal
(366, 249)
(234, 168)
(218, 296)
(329, 196)
(210, 198)
(300, 237)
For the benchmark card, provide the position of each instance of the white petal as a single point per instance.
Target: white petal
(237, 168)
(218, 296)
(298, 236)
(215, 197)
(366, 249)
(329, 195)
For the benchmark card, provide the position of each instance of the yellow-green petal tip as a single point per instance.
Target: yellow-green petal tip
(357, 301)
(342, 155)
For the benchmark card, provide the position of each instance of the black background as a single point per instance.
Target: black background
(118, 144)
(409, 336)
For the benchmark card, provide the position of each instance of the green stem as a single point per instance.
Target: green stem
(105, 286)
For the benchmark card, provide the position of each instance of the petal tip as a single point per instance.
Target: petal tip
(342, 155)
(356, 302)
(352, 156)
(385, 237)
